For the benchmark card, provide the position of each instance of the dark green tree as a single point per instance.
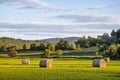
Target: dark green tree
(3, 48)
(111, 51)
(106, 39)
(42, 47)
(33, 47)
(51, 46)
(113, 37)
(113, 32)
(83, 42)
(118, 35)
(63, 45)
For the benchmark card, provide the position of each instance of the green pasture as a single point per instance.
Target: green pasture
(63, 69)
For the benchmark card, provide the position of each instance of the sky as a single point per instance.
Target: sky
(41, 19)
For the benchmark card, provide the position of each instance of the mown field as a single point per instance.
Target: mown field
(63, 69)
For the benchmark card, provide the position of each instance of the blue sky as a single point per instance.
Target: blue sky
(40, 19)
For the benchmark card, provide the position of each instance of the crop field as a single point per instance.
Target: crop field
(63, 69)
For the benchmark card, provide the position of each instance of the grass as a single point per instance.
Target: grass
(63, 69)
(85, 52)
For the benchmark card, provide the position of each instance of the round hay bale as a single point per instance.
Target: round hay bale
(46, 63)
(51, 61)
(99, 63)
(107, 59)
(26, 61)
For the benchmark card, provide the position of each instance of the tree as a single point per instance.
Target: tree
(92, 41)
(113, 32)
(60, 44)
(51, 47)
(59, 52)
(12, 53)
(110, 52)
(3, 48)
(42, 47)
(118, 49)
(113, 37)
(73, 46)
(33, 47)
(96, 54)
(47, 52)
(63, 45)
(83, 42)
(24, 47)
(66, 44)
(118, 35)
(106, 39)
(78, 47)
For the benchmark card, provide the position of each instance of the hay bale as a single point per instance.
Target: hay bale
(107, 59)
(51, 61)
(26, 61)
(99, 63)
(46, 63)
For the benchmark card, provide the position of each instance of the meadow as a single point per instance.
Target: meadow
(63, 69)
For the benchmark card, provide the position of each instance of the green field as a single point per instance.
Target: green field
(63, 69)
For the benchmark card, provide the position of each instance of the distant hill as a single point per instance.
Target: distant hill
(8, 42)
(55, 40)
(72, 39)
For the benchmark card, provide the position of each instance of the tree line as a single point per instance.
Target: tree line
(104, 42)
(62, 45)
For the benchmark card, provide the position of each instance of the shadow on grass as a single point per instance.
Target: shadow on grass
(111, 75)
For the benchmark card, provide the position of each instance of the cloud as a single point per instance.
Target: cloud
(36, 30)
(46, 7)
(91, 18)
(32, 4)
(102, 7)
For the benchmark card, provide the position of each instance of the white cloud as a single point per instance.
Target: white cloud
(92, 18)
(33, 4)
(46, 7)
(102, 7)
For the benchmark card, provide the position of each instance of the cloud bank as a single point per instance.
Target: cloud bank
(33, 31)
(91, 18)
